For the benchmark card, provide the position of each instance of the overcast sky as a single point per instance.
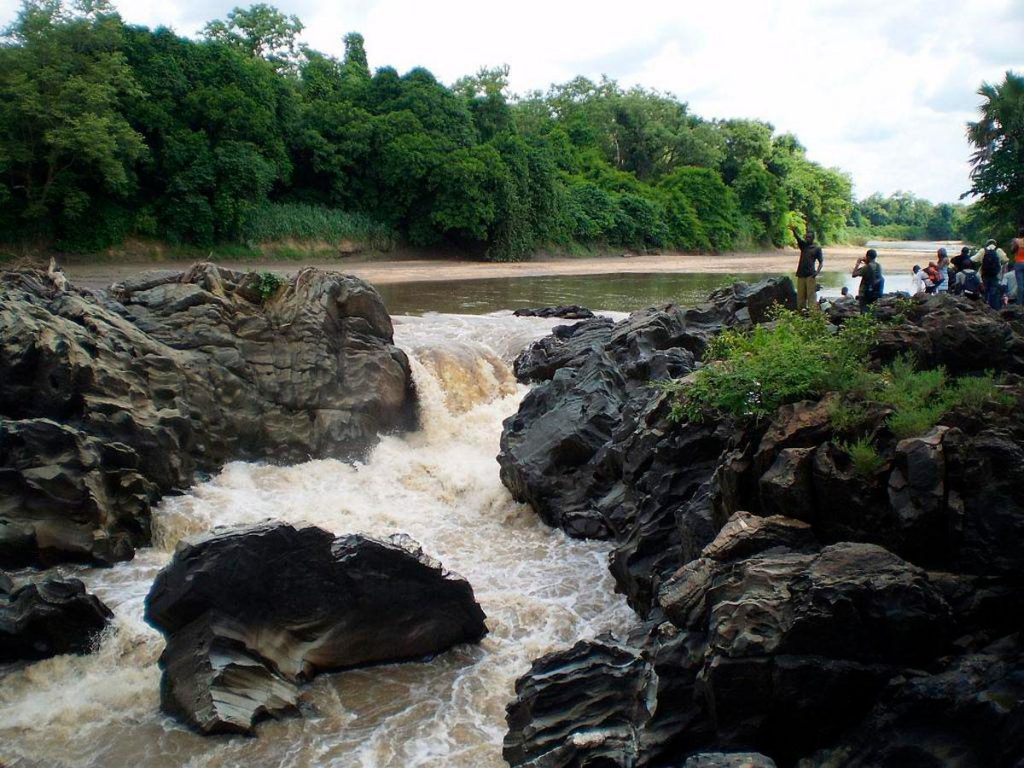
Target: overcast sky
(879, 88)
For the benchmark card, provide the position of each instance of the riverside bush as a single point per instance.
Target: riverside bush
(275, 222)
(863, 455)
(796, 357)
(751, 374)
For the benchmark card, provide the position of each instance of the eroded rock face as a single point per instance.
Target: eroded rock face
(48, 618)
(809, 626)
(968, 714)
(109, 401)
(612, 689)
(593, 449)
(251, 612)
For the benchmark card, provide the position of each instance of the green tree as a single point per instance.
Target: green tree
(260, 30)
(997, 165)
(65, 145)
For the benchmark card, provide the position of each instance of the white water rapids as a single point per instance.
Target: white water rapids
(539, 589)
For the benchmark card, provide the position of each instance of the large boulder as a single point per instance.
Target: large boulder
(108, 401)
(251, 612)
(48, 618)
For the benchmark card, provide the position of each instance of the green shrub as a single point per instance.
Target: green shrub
(296, 221)
(863, 456)
(752, 374)
(268, 284)
(846, 416)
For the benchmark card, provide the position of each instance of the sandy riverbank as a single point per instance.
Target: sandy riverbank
(838, 259)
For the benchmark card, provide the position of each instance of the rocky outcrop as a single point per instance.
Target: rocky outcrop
(593, 449)
(250, 613)
(48, 618)
(566, 312)
(969, 714)
(109, 401)
(768, 647)
(795, 603)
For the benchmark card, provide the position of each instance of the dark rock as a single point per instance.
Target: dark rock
(566, 312)
(969, 715)
(6, 584)
(950, 331)
(593, 449)
(49, 618)
(729, 760)
(251, 612)
(608, 693)
(566, 347)
(787, 487)
(109, 402)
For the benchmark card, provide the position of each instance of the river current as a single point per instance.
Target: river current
(539, 589)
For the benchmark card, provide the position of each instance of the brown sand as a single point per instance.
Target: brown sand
(838, 259)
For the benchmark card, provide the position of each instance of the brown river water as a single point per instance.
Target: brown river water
(540, 590)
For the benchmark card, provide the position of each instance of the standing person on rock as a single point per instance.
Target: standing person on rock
(943, 267)
(806, 273)
(869, 271)
(992, 260)
(1017, 251)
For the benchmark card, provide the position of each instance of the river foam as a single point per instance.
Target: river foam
(540, 590)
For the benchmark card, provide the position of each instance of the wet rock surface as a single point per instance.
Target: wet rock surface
(592, 448)
(566, 312)
(48, 618)
(249, 613)
(111, 400)
(794, 606)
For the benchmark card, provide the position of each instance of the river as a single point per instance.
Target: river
(540, 590)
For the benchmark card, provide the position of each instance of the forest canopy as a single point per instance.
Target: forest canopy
(110, 131)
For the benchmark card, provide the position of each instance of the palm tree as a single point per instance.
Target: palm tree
(997, 164)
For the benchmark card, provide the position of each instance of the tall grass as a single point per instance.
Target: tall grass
(277, 222)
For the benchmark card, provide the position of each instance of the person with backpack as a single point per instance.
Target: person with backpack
(872, 283)
(968, 283)
(1017, 251)
(992, 261)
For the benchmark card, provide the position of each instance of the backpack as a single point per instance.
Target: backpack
(972, 283)
(876, 285)
(990, 264)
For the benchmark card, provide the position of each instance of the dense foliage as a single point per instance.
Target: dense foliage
(750, 374)
(109, 131)
(998, 161)
(904, 216)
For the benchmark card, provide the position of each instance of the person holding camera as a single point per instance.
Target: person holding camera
(872, 283)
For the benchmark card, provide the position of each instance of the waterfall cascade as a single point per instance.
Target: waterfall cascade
(540, 590)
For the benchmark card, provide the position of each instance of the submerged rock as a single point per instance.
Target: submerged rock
(48, 618)
(566, 312)
(109, 401)
(251, 612)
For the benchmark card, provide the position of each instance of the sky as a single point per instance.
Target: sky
(879, 88)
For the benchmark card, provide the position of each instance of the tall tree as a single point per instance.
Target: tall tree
(262, 31)
(65, 144)
(997, 172)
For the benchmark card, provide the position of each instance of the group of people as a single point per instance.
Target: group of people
(988, 273)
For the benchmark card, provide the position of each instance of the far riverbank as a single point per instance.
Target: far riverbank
(839, 259)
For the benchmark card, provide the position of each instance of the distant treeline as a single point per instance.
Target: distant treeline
(903, 216)
(110, 131)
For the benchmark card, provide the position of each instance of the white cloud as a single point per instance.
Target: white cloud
(879, 89)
